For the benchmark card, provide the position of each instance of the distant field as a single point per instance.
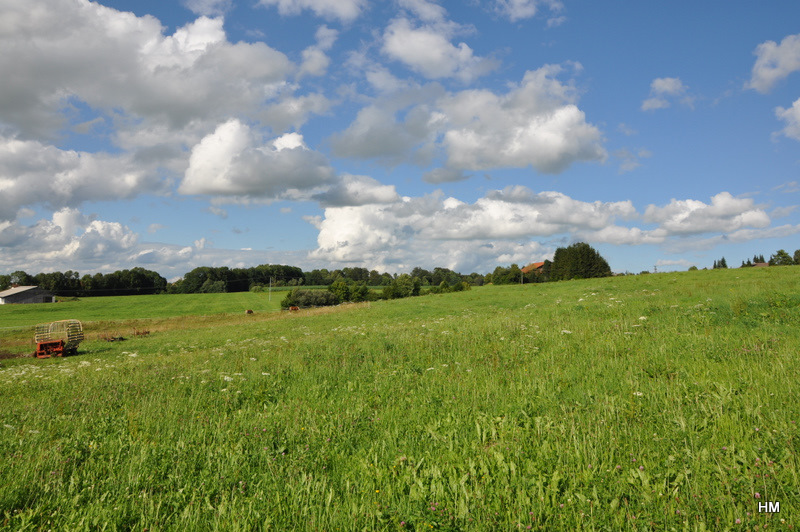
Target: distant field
(137, 307)
(650, 402)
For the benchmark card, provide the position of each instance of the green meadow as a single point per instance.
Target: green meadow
(651, 402)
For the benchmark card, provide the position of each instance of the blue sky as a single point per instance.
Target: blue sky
(396, 133)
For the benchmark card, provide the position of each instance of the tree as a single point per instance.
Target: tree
(5, 282)
(781, 258)
(578, 261)
(21, 278)
(340, 289)
(797, 257)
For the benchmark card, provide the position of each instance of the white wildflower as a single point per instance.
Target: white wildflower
(564, 331)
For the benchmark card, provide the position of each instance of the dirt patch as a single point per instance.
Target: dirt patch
(5, 355)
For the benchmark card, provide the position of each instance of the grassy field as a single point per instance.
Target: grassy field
(654, 402)
(118, 308)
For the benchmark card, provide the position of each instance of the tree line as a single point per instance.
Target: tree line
(779, 258)
(574, 262)
(135, 281)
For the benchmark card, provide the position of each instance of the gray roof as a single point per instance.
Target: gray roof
(17, 290)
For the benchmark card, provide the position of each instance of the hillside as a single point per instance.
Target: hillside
(654, 401)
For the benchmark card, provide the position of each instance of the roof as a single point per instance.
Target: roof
(17, 290)
(532, 266)
(757, 265)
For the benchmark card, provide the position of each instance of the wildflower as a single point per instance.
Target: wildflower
(757, 495)
(738, 521)
(642, 318)
(641, 468)
(638, 394)
(564, 331)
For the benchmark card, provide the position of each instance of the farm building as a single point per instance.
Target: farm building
(26, 294)
(537, 267)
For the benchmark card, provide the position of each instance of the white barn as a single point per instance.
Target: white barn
(26, 294)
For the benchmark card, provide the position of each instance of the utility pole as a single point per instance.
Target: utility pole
(269, 298)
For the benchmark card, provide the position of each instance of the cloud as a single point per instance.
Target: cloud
(663, 91)
(68, 237)
(428, 51)
(293, 111)
(792, 118)
(32, 173)
(376, 133)
(735, 237)
(788, 187)
(444, 175)
(344, 10)
(357, 190)
(631, 160)
(315, 61)
(209, 8)
(521, 9)
(425, 10)
(124, 67)
(774, 62)
(501, 228)
(675, 262)
(725, 214)
(437, 230)
(231, 163)
(536, 123)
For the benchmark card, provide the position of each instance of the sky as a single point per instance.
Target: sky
(390, 134)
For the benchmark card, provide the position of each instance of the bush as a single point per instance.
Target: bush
(309, 298)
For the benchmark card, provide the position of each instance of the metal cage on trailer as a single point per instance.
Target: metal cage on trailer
(59, 338)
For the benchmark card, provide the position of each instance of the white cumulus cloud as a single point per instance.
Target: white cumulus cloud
(357, 190)
(33, 173)
(427, 50)
(774, 62)
(536, 123)
(725, 214)
(232, 163)
(791, 117)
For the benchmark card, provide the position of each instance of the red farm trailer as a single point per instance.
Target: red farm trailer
(59, 338)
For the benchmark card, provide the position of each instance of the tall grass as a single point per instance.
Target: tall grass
(651, 402)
